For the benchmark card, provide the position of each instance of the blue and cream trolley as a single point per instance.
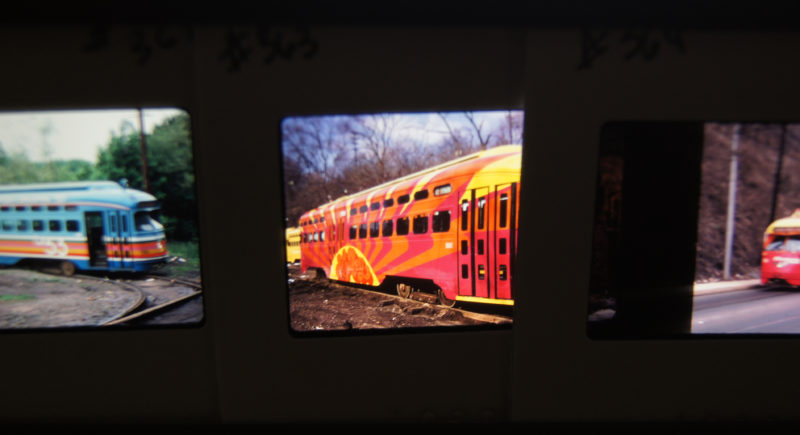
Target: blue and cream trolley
(89, 226)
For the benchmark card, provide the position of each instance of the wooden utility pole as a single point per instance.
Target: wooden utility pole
(143, 148)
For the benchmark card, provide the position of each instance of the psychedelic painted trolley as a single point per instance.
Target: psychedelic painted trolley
(97, 225)
(451, 230)
(780, 259)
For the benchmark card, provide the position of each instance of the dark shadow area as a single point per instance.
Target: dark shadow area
(645, 229)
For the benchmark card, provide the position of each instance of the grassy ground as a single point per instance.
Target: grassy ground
(8, 298)
(188, 263)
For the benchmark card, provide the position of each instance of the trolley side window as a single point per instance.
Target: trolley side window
(481, 212)
(464, 215)
(420, 224)
(388, 227)
(441, 221)
(402, 226)
(54, 225)
(503, 210)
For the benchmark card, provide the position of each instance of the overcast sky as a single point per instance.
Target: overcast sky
(76, 134)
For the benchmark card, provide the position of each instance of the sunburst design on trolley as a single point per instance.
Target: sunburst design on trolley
(350, 265)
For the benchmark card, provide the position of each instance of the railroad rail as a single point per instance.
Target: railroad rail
(140, 307)
(144, 310)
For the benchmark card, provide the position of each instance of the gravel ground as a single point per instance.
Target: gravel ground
(320, 305)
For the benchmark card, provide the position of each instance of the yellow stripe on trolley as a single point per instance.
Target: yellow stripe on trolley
(485, 300)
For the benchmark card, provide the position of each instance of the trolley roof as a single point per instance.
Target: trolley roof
(502, 149)
(787, 224)
(107, 192)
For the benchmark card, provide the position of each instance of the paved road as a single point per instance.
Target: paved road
(747, 309)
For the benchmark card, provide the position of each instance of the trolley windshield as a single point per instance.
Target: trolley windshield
(785, 243)
(147, 221)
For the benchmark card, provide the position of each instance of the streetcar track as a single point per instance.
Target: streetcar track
(139, 307)
(148, 310)
(153, 309)
(140, 300)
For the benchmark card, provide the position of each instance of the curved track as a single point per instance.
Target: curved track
(139, 296)
(141, 306)
(146, 308)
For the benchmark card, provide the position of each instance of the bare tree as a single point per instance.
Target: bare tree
(483, 139)
(374, 136)
(509, 131)
(315, 153)
(461, 141)
(327, 157)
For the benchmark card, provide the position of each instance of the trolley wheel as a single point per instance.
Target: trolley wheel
(67, 268)
(443, 299)
(403, 290)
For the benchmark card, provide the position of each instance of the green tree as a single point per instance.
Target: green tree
(16, 168)
(121, 159)
(170, 170)
(171, 174)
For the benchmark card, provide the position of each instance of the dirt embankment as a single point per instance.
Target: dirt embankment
(320, 305)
